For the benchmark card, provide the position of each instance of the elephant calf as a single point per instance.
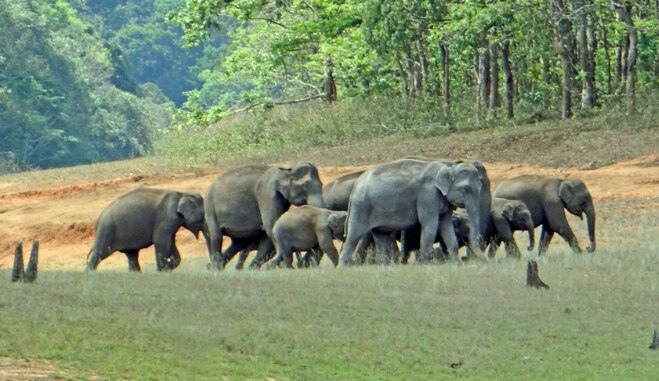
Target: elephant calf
(306, 228)
(506, 217)
(145, 217)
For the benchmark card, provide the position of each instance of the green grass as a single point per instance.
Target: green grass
(362, 323)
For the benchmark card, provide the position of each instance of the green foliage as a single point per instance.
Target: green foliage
(63, 91)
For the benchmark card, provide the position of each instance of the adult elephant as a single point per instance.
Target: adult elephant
(336, 193)
(547, 197)
(484, 195)
(397, 196)
(145, 217)
(245, 202)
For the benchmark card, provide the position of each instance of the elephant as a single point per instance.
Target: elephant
(546, 198)
(145, 217)
(306, 228)
(245, 202)
(396, 196)
(336, 193)
(484, 196)
(506, 217)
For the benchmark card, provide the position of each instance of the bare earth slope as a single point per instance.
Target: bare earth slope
(62, 217)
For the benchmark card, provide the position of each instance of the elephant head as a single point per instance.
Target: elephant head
(336, 221)
(301, 185)
(577, 200)
(191, 208)
(520, 217)
(461, 185)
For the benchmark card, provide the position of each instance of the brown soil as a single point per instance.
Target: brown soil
(27, 370)
(63, 217)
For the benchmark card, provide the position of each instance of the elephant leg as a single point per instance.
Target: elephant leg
(383, 248)
(230, 252)
(558, 223)
(397, 254)
(299, 259)
(174, 260)
(512, 250)
(133, 263)
(215, 249)
(362, 250)
(545, 237)
(326, 245)
(284, 254)
(264, 252)
(493, 247)
(447, 233)
(161, 256)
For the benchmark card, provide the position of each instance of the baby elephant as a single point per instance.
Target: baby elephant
(306, 228)
(145, 217)
(506, 217)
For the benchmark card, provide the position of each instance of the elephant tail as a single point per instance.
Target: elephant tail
(88, 254)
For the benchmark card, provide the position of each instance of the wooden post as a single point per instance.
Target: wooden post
(655, 340)
(532, 276)
(17, 272)
(31, 268)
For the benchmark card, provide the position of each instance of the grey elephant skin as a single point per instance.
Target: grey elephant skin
(145, 217)
(484, 196)
(547, 198)
(307, 228)
(245, 202)
(397, 196)
(336, 193)
(506, 217)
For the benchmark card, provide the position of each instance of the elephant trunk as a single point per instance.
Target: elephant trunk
(475, 239)
(590, 221)
(531, 229)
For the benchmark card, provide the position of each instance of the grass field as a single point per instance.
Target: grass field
(471, 321)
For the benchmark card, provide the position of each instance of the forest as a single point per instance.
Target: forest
(85, 81)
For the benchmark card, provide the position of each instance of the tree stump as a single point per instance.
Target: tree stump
(29, 274)
(31, 268)
(532, 276)
(655, 340)
(17, 271)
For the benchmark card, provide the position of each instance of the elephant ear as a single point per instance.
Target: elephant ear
(508, 211)
(187, 207)
(336, 223)
(300, 170)
(566, 191)
(444, 179)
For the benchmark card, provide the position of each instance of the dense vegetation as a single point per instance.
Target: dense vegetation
(65, 96)
(90, 80)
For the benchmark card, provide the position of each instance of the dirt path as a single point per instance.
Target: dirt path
(63, 218)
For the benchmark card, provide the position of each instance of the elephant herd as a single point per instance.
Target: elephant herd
(411, 205)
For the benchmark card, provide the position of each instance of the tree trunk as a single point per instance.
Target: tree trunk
(494, 78)
(607, 59)
(423, 64)
(624, 14)
(565, 46)
(483, 74)
(509, 84)
(444, 53)
(330, 83)
(587, 88)
(403, 73)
